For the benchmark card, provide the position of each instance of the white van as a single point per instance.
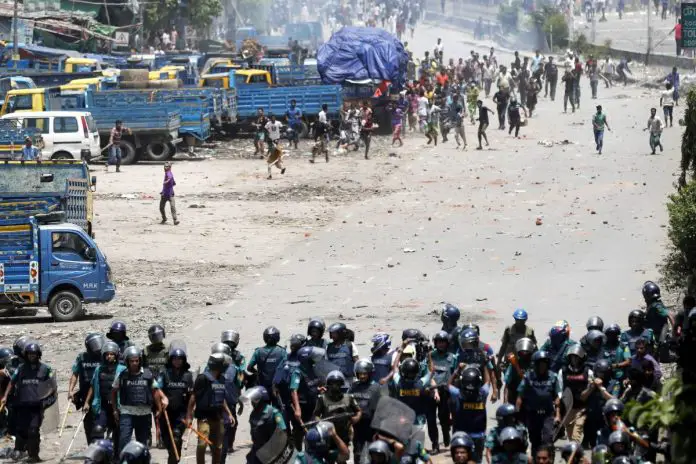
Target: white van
(66, 134)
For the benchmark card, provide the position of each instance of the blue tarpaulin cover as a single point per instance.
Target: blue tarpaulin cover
(358, 53)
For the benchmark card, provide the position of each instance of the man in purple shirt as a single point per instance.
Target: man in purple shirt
(642, 354)
(167, 194)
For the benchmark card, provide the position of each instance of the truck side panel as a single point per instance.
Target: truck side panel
(276, 100)
(19, 262)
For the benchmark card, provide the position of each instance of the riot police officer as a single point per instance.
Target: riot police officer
(268, 358)
(99, 452)
(207, 405)
(604, 388)
(469, 410)
(518, 364)
(5, 359)
(449, 317)
(118, 334)
(233, 387)
(34, 387)
(462, 449)
(155, 356)
(593, 323)
(135, 391)
(98, 401)
(513, 451)
(363, 389)
(594, 347)
(444, 364)
(340, 350)
(656, 315)
(381, 358)
(82, 372)
(471, 354)
(337, 407)
(304, 389)
(512, 334)
(315, 332)
(576, 377)
(176, 382)
(231, 339)
(612, 411)
(379, 452)
(321, 442)
(264, 419)
(539, 397)
(411, 390)
(636, 330)
(281, 383)
(556, 346)
(135, 453)
(620, 357)
(506, 416)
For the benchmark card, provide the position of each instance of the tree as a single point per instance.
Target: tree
(198, 13)
(688, 147)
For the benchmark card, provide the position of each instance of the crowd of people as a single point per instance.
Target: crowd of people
(310, 401)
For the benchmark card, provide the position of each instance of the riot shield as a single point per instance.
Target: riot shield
(322, 368)
(177, 345)
(393, 418)
(48, 392)
(278, 450)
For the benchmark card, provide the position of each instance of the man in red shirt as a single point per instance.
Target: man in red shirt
(678, 36)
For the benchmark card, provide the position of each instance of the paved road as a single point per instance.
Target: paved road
(460, 227)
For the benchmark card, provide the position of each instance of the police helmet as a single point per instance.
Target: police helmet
(5, 356)
(450, 314)
(230, 338)
(310, 354)
(135, 453)
(509, 434)
(409, 369)
(316, 441)
(613, 406)
(132, 352)
(98, 432)
(255, 396)
(217, 361)
(100, 452)
(110, 347)
(271, 335)
(540, 356)
(650, 291)
(94, 342)
(461, 440)
(220, 348)
(156, 334)
(524, 344)
(613, 331)
(560, 330)
(638, 314)
(602, 367)
(594, 323)
(335, 378)
(471, 379)
(379, 341)
(316, 324)
(412, 334)
(505, 410)
(572, 448)
(618, 437)
(576, 350)
(468, 337)
(441, 336)
(19, 344)
(363, 366)
(380, 447)
(338, 328)
(181, 354)
(32, 348)
(596, 338)
(520, 315)
(296, 342)
(471, 325)
(117, 327)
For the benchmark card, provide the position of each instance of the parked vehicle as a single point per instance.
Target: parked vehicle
(65, 134)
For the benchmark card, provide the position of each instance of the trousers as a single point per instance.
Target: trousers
(128, 424)
(172, 206)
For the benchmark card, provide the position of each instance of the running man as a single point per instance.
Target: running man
(599, 121)
(483, 123)
(655, 126)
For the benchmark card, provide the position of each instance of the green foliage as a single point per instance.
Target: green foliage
(508, 16)
(689, 136)
(165, 13)
(674, 410)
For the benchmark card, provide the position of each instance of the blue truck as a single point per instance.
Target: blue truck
(48, 257)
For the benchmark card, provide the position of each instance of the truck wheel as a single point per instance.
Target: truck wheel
(62, 155)
(128, 153)
(65, 306)
(158, 151)
(304, 132)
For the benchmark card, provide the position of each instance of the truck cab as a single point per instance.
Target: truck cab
(79, 65)
(237, 78)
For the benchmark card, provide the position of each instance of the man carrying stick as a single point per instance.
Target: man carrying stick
(176, 382)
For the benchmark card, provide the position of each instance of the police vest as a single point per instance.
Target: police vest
(136, 389)
(470, 416)
(319, 343)
(32, 384)
(363, 393)
(231, 386)
(453, 346)
(653, 320)
(342, 357)
(268, 365)
(513, 334)
(263, 425)
(442, 367)
(473, 357)
(383, 366)
(335, 407)
(558, 358)
(410, 393)
(539, 393)
(308, 390)
(514, 382)
(87, 363)
(107, 373)
(577, 382)
(630, 338)
(177, 389)
(156, 358)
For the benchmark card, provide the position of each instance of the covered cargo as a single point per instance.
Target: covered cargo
(359, 53)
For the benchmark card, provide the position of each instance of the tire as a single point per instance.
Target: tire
(172, 148)
(65, 306)
(158, 151)
(128, 153)
(62, 155)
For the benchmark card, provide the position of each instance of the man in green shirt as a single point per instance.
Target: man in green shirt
(599, 121)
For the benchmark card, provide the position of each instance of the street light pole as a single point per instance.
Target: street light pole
(647, 55)
(15, 35)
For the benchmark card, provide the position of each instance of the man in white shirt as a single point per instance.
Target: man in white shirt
(275, 154)
(667, 102)
(655, 127)
(273, 128)
(439, 46)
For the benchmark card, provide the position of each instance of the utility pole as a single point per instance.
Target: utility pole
(15, 35)
(594, 28)
(141, 13)
(647, 55)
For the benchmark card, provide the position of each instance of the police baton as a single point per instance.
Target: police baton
(171, 436)
(77, 430)
(343, 415)
(200, 435)
(65, 419)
